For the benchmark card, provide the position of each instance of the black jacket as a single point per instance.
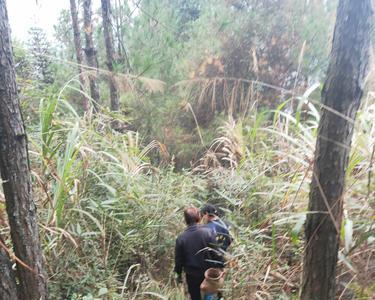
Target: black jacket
(194, 252)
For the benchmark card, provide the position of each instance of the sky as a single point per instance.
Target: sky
(26, 13)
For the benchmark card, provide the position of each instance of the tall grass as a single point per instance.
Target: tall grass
(110, 217)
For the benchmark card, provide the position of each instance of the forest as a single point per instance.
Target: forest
(127, 112)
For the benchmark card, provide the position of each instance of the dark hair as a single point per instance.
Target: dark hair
(191, 215)
(209, 209)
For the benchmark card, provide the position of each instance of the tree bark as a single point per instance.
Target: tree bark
(123, 57)
(79, 53)
(8, 287)
(119, 23)
(341, 96)
(90, 52)
(15, 174)
(108, 38)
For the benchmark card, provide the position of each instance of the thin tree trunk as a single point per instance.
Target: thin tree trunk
(120, 23)
(108, 38)
(8, 287)
(79, 53)
(92, 60)
(15, 173)
(118, 32)
(341, 96)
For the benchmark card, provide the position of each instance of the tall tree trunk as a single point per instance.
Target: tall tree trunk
(15, 174)
(79, 53)
(92, 60)
(118, 32)
(8, 287)
(120, 23)
(108, 37)
(341, 96)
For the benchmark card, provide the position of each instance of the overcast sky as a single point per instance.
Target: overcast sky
(25, 13)
(44, 13)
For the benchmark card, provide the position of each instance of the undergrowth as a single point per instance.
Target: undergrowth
(109, 217)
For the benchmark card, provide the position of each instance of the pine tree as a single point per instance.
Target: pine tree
(17, 185)
(110, 52)
(40, 55)
(90, 52)
(341, 96)
(79, 52)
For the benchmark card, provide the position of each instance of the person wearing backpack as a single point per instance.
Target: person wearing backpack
(220, 230)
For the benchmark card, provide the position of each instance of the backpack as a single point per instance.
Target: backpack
(221, 232)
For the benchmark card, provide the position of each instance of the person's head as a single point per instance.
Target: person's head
(209, 213)
(192, 216)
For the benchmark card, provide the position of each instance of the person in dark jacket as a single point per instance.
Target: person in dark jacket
(193, 253)
(210, 217)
